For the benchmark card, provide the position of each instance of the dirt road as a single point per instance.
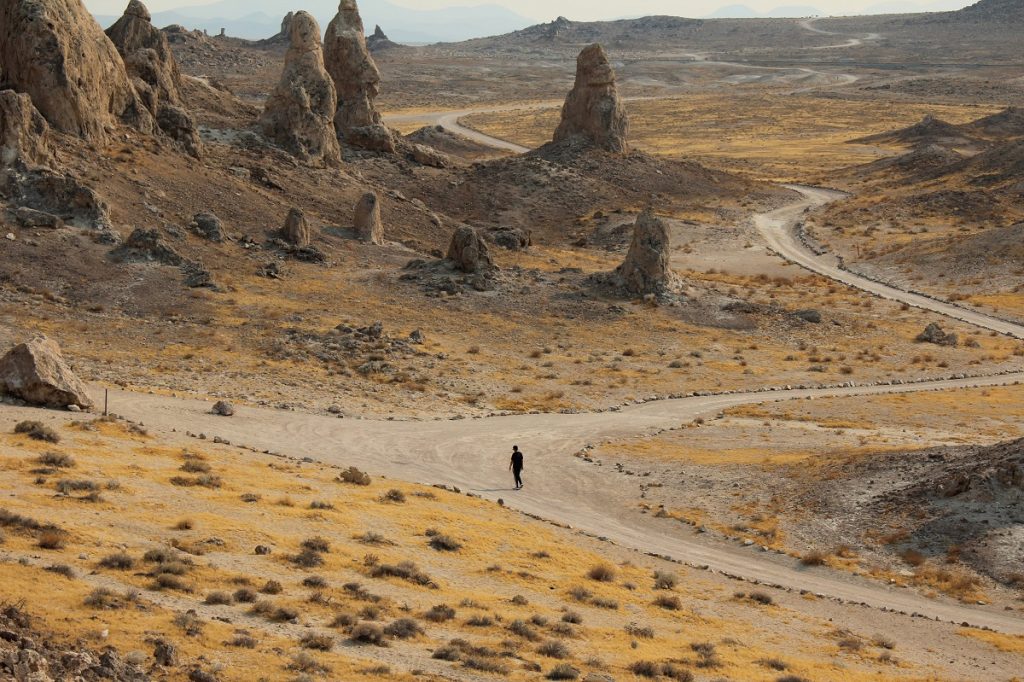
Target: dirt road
(778, 228)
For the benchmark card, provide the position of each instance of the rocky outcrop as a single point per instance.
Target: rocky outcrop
(511, 238)
(378, 41)
(593, 114)
(37, 373)
(933, 333)
(60, 194)
(646, 268)
(209, 227)
(155, 75)
(54, 51)
(468, 251)
(296, 229)
(24, 134)
(368, 224)
(148, 246)
(428, 156)
(357, 82)
(299, 114)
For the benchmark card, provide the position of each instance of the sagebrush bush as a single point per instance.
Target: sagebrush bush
(368, 633)
(403, 628)
(440, 613)
(120, 561)
(602, 573)
(218, 598)
(37, 431)
(553, 649)
(57, 460)
(444, 543)
(563, 671)
(354, 476)
(663, 580)
(316, 641)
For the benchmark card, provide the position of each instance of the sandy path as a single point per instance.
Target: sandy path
(777, 227)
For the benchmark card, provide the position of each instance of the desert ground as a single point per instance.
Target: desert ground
(762, 345)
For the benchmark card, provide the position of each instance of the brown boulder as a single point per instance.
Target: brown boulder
(36, 372)
(296, 229)
(299, 114)
(154, 73)
(24, 134)
(368, 223)
(356, 80)
(468, 251)
(54, 51)
(593, 114)
(428, 156)
(646, 268)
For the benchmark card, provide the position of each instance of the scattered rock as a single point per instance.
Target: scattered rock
(296, 229)
(368, 224)
(416, 336)
(299, 114)
(223, 408)
(148, 245)
(357, 81)
(511, 238)
(208, 226)
(57, 54)
(37, 373)
(646, 268)
(426, 156)
(60, 194)
(29, 217)
(468, 251)
(593, 113)
(933, 333)
(809, 315)
(24, 133)
(165, 653)
(154, 72)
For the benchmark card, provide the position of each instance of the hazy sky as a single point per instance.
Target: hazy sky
(586, 10)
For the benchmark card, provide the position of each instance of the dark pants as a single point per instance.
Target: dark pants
(518, 473)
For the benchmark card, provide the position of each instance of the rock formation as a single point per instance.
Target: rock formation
(933, 333)
(379, 41)
(154, 72)
(357, 82)
(368, 224)
(209, 227)
(646, 268)
(468, 251)
(296, 229)
(593, 114)
(511, 238)
(24, 134)
(36, 372)
(54, 51)
(56, 193)
(299, 114)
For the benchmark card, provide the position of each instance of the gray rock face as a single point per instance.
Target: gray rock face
(209, 227)
(60, 194)
(468, 251)
(296, 229)
(299, 114)
(37, 373)
(356, 80)
(24, 133)
(593, 114)
(154, 72)
(646, 268)
(368, 224)
(511, 238)
(933, 333)
(54, 51)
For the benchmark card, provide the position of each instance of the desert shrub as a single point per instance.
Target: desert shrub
(189, 623)
(814, 558)
(243, 641)
(393, 495)
(61, 570)
(883, 642)
(272, 587)
(646, 669)
(850, 644)
(406, 570)
(480, 621)
(444, 543)
(173, 567)
(604, 603)
(562, 630)
(485, 665)
(202, 481)
(56, 460)
(68, 486)
(354, 476)
(563, 671)
(315, 581)
(440, 613)
(668, 602)
(602, 573)
(169, 581)
(218, 598)
(51, 539)
(277, 614)
(403, 628)
(553, 649)
(773, 663)
(318, 504)
(37, 431)
(447, 653)
(639, 631)
(319, 642)
(316, 544)
(195, 466)
(706, 656)
(520, 600)
(370, 612)
(245, 595)
(359, 592)
(522, 629)
(538, 620)
(572, 617)
(372, 538)
(676, 673)
(104, 598)
(580, 594)
(185, 524)
(368, 633)
(344, 620)
(120, 561)
(663, 580)
(791, 678)
(307, 559)
(251, 498)
(912, 557)
(159, 555)
(304, 662)
(761, 598)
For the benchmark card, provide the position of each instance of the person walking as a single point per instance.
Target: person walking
(516, 466)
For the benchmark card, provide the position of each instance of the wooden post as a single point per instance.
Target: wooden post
(106, 398)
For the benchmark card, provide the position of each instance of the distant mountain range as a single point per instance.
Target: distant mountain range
(402, 24)
(892, 7)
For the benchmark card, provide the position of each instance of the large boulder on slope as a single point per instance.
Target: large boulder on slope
(368, 223)
(468, 251)
(646, 267)
(37, 373)
(24, 133)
